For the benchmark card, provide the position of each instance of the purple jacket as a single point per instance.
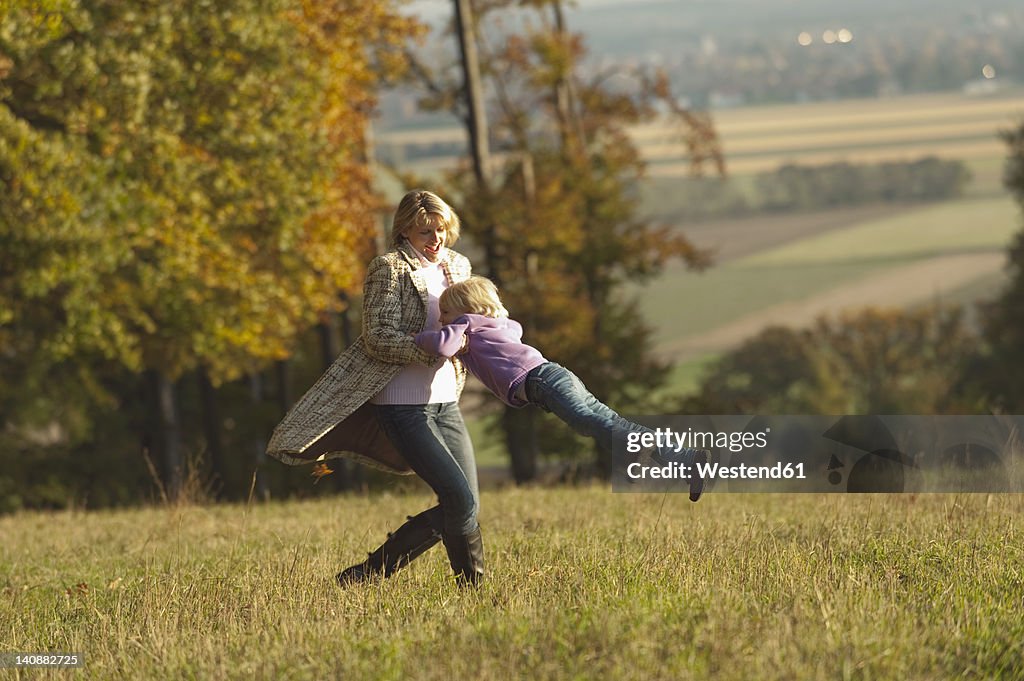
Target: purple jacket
(495, 353)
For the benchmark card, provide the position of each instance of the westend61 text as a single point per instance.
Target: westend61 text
(710, 471)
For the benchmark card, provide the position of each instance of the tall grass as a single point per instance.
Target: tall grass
(582, 583)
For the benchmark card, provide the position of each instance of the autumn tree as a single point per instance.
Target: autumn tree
(559, 218)
(184, 185)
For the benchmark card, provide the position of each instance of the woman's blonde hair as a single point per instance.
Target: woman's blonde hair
(419, 208)
(477, 295)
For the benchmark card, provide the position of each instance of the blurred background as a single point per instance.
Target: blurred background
(740, 207)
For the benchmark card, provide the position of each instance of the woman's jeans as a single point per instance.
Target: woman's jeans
(559, 391)
(433, 440)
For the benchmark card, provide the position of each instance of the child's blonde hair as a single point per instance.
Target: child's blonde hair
(477, 295)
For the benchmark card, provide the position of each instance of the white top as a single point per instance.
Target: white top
(416, 383)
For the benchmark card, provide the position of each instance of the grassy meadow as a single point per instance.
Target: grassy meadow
(582, 583)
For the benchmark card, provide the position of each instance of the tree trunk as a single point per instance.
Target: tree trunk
(465, 27)
(476, 123)
(521, 439)
(172, 464)
(570, 125)
(282, 374)
(520, 431)
(210, 408)
(259, 445)
(520, 425)
(330, 344)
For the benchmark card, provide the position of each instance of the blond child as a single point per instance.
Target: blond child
(478, 329)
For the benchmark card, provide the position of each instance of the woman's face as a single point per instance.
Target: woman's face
(428, 239)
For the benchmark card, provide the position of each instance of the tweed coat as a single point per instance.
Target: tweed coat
(334, 417)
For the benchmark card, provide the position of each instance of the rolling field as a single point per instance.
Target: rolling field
(789, 269)
(934, 229)
(755, 139)
(759, 138)
(582, 583)
(847, 263)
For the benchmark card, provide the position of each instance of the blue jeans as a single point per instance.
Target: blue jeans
(559, 391)
(433, 440)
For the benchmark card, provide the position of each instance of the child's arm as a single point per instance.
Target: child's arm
(447, 342)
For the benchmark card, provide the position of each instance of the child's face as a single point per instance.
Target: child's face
(449, 315)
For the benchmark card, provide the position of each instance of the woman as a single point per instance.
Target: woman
(388, 403)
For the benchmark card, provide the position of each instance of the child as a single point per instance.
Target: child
(477, 329)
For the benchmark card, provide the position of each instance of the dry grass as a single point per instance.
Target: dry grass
(582, 584)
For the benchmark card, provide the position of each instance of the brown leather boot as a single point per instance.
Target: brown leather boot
(466, 554)
(403, 546)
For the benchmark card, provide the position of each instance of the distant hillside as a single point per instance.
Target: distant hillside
(629, 28)
(731, 53)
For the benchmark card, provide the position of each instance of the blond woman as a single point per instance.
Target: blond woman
(387, 402)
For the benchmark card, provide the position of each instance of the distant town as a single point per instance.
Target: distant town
(726, 54)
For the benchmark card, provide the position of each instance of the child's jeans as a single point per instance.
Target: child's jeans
(559, 391)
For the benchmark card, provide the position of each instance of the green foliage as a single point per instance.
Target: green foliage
(864, 362)
(683, 200)
(1013, 174)
(182, 185)
(797, 187)
(794, 187)
(1002, 374)
(163, 164)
